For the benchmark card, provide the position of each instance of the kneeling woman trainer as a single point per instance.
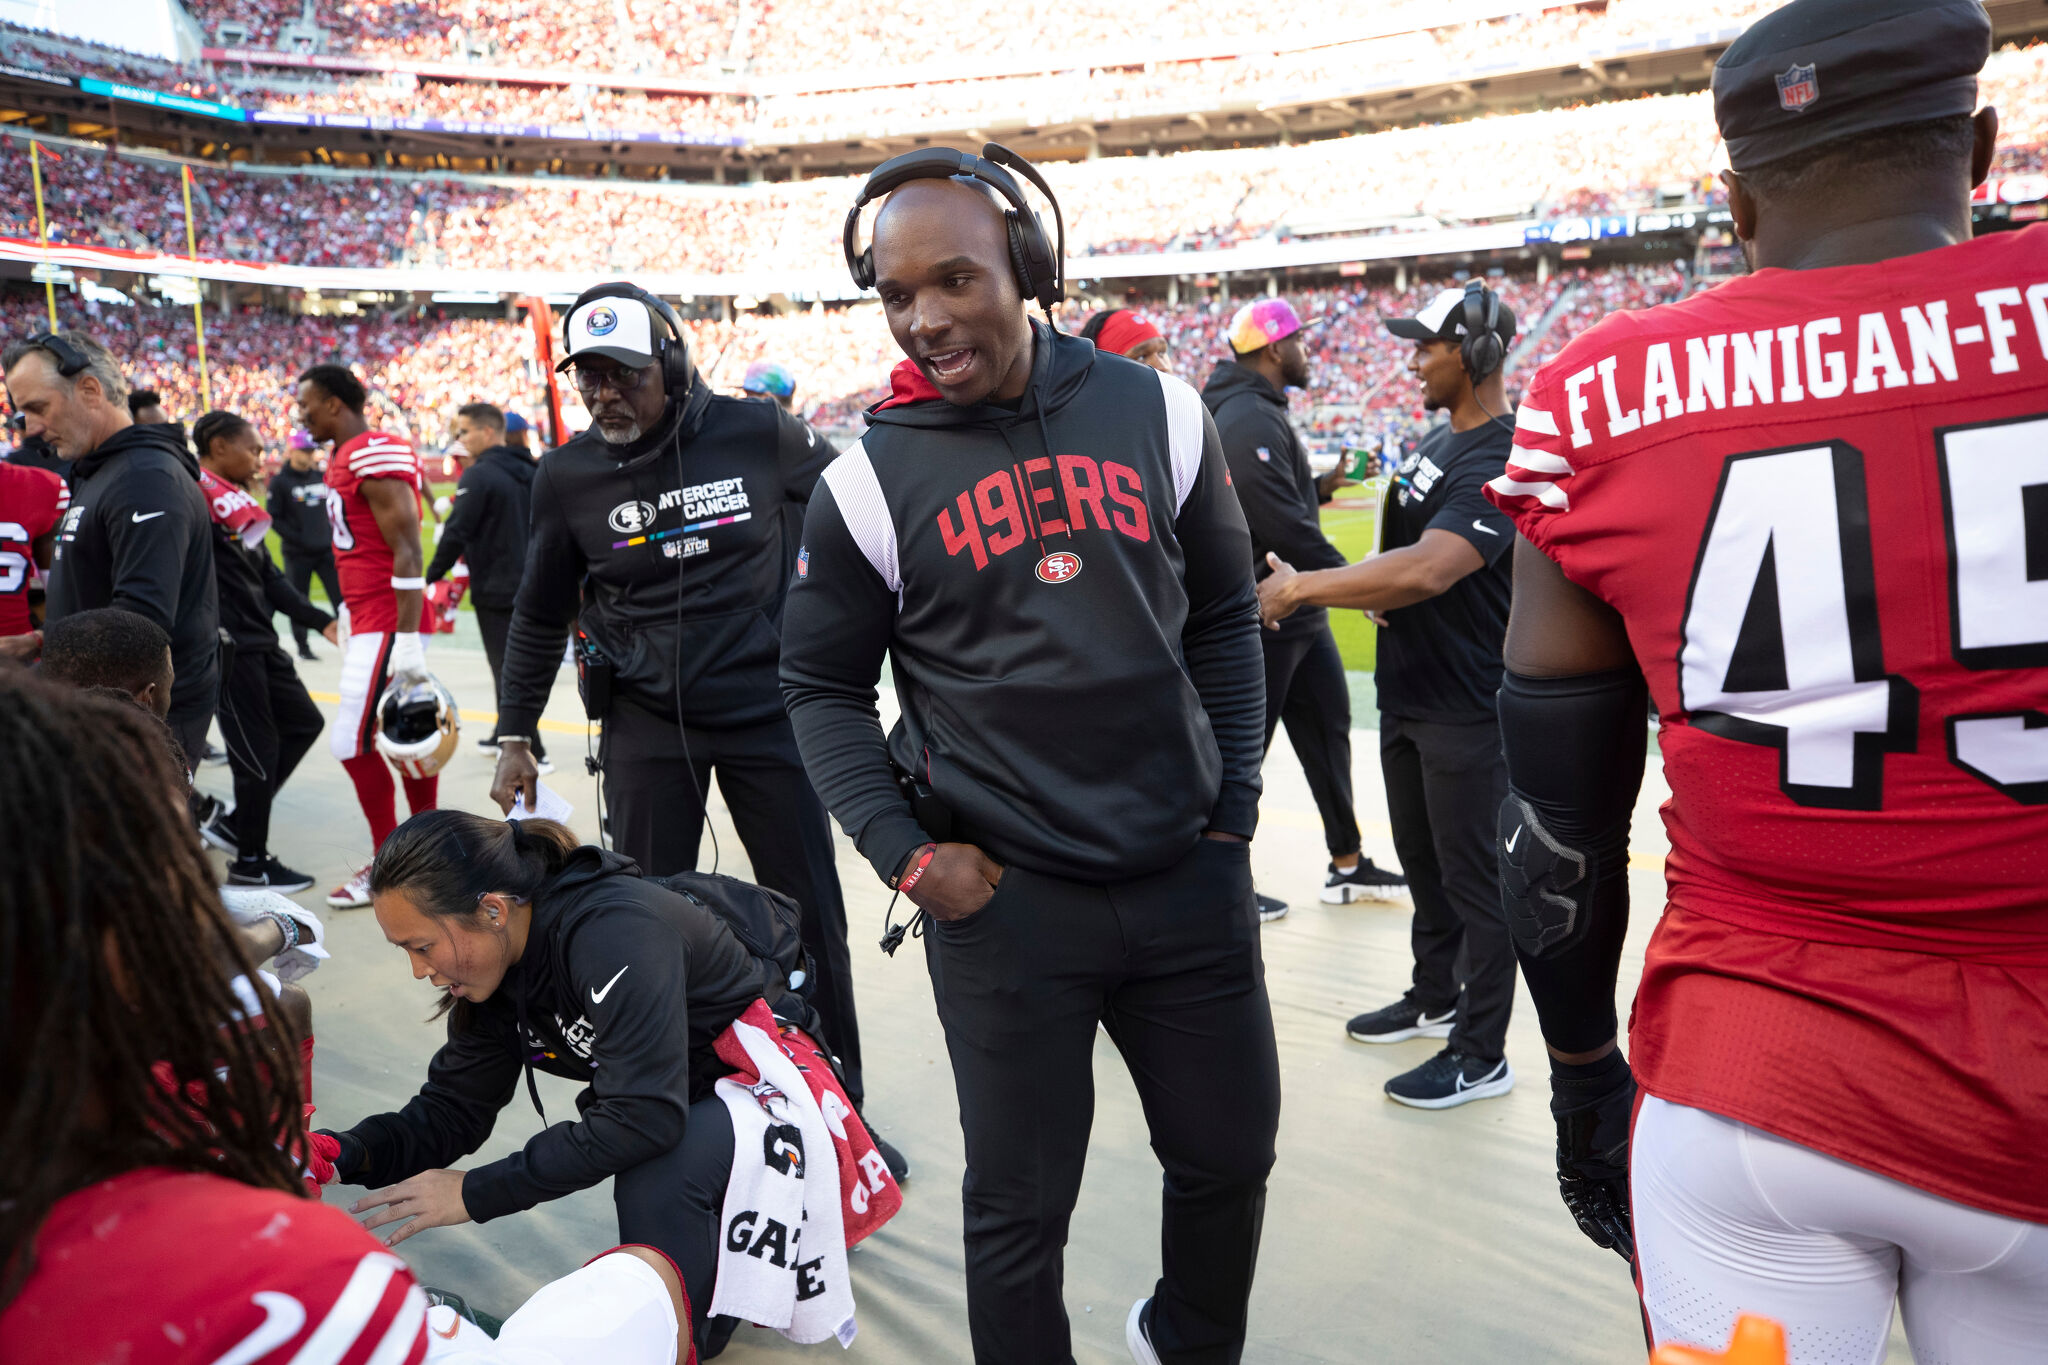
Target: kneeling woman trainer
(561, 957)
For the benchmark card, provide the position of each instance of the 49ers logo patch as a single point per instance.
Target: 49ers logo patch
(1059, 567)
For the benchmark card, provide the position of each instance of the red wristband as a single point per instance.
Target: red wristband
(917, 870)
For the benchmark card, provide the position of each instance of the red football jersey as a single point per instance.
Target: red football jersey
(160, 1267)
(1819, 501)
(360, 554)
(31, 502)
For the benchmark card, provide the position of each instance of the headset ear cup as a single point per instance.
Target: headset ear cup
(1020, 257)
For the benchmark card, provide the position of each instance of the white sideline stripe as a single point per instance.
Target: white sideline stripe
(865, 511)
(1549, 494)
(337, 1332)
(1538, 461)
(1184, 413)
(1536, 420)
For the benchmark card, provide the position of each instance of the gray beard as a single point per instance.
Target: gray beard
(632, 434)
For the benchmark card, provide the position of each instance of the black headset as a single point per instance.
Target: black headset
(1481, 347)
(678, 375)
(70, 360)
(1040, 271)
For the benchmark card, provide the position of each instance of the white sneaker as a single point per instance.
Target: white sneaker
(1135, 1340)
(352, 894)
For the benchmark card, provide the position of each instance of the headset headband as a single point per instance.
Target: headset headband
(70, 360)
(945, 163)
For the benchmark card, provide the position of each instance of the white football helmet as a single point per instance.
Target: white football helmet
(417, 725)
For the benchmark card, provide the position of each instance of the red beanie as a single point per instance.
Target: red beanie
(1123, 332)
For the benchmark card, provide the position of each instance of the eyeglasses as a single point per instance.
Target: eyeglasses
(623, 380)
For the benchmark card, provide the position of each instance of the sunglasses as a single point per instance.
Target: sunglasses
(622, 380)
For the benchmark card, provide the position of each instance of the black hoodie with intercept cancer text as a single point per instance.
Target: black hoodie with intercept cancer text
(1065, 591)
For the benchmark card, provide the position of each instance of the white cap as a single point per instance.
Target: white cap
(1443, 319)
(621, 328)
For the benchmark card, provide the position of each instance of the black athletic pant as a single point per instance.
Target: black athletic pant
(492, 623)
(1445, 783)
(657, 820)
(674, 1202)
(1305, 687)
(267, 722)
(299, 571)
(1170, 964)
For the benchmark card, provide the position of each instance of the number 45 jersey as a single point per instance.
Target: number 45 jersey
(1819, 501)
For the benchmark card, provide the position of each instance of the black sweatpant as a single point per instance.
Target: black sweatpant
(1170, 964)
(267, 723)
(492, 623)
(300, 570)
(657, 820)
(1445, 783)
(674, 1202)
(1305, 687)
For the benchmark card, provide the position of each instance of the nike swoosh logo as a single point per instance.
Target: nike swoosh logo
(1482, 526)
(1513, 837)
(597, 996)
(145, 516)
(1424, 1021)
(283, 1316)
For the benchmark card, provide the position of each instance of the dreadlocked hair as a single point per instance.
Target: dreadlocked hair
(118, 962)
(446, 861)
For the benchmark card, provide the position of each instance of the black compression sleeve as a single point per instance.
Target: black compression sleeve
(1575, 750)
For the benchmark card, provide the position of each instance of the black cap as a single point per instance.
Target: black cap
(1443, 319)
(1818, 70)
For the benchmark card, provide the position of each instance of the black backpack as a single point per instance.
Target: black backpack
(765, 922)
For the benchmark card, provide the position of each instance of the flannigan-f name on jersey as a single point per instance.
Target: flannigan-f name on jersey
(1938, 341)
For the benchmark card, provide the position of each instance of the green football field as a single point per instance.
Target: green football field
(1350, 529)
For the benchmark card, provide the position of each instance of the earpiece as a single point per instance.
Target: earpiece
(1481, 346)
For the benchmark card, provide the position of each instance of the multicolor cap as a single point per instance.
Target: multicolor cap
(769, 377)
(1263, 322)
(301, 440)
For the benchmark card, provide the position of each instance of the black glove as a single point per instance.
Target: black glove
(1593, 1114)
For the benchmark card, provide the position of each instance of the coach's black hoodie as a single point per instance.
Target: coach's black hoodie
(1065, 591)
(138, 537)
(686, 537)
(623, 985)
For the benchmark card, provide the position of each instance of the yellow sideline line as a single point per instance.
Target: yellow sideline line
(560, 727)
(1292, 819)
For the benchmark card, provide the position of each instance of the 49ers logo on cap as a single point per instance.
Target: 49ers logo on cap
(1059, 566)
(598, 321)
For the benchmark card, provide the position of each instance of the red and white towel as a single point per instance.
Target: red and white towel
(790, 1214)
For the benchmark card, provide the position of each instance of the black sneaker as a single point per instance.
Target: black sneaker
(489, 743)
(1450, 1079)
(215, 827)
(269, 873)
(1400, 1021)
(898, 1164)
(306, 653)
(1362, 883)
(212, 757)
(1270, 907)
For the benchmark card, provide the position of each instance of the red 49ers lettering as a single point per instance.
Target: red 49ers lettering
(1044, 497)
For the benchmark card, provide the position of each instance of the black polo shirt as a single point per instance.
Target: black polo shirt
(1439, 660)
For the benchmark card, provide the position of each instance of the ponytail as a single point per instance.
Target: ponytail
(445, 861)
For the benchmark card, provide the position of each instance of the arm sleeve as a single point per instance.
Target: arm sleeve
(149, 555)
(836, 628)
(550, 588)
(472, 505)
(640, 1092)
(1281, 513)
(282, 596)
(1220, 640)
(471, 1078)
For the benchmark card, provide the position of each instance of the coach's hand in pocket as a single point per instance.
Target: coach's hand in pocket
(431, 1199)
(957, 883)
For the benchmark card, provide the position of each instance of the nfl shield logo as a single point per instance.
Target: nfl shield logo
(1265, 454)
(803, 563)
(1797, 88)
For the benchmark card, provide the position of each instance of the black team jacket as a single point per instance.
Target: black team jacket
(1270, 472)
(672, 554)
(138, 537)
(493, 507)
(625, 986)
(297, 499)
(1065, 592)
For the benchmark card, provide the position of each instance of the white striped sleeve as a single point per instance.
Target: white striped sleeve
(1534, 481)
(367, 1305)
(1183, 435)
(858, 494)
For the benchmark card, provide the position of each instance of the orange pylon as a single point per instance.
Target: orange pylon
(1757, 1341)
